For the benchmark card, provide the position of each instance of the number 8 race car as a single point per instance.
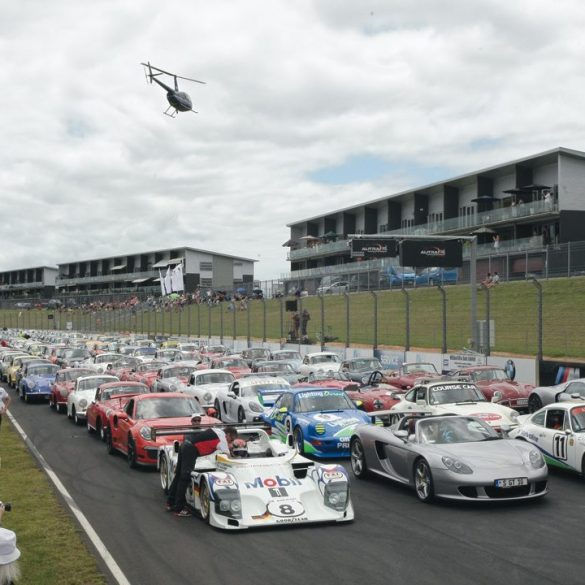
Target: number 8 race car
(273, 485)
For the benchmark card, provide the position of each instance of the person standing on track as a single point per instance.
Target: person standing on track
(4, 402)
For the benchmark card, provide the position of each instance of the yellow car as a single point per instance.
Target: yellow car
(16, 366)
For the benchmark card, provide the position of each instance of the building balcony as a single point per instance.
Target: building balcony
(318, 250)
(63, 281)
(22, 285)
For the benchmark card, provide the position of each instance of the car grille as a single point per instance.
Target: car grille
(514, 492)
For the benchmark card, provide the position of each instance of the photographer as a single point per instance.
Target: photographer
(9, 568)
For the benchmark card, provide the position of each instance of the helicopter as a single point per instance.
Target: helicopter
(179, 101)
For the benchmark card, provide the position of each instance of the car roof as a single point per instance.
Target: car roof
(253, 380)
(298, 390)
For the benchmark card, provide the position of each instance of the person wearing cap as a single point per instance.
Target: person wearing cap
(9, 554)
(199, 443)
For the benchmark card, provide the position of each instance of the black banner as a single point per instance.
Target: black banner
(552, 373)
(374, 248)
(426, 253)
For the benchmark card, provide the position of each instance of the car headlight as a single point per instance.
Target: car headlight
(173, 387)
(83, 403)
(336, 495)
(536, 459)
(255, 407)
(146, 433)
(456, 466)
(514, 415)
(207, 397)
(228, 503)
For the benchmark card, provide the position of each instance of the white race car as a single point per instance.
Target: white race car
(100, 362)
(558, 430)
(83, 394)
(205, 384)
(247, 398)
(321, 360)
(273, 486)
(453, 397)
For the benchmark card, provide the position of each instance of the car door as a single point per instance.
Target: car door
(554, 438)
(233, 401)
(280, 415)
(125, 425)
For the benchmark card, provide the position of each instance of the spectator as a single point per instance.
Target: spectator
(495, 279)
(487, 282)
(496, 242)
(305, 317)
(9, 554)
(296, 323)
(548, 201)
(4, 402)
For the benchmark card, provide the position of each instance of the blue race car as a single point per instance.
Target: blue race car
(437, 275)
(36, 384)
(321, 420)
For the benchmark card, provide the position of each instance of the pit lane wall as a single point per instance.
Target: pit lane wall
(525, 370)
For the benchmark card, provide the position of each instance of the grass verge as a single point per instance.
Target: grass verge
(52, 550)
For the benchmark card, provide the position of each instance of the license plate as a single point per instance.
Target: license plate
(510, 483)
(522, 401)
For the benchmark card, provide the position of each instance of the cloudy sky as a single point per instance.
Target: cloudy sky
(309, 105)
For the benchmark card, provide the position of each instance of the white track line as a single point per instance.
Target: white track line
(91, 533)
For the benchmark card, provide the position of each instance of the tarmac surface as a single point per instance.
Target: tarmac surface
(394, 538)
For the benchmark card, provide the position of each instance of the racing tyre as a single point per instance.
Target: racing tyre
(204, 502)
(358, 459)
(108, 440)
(583, 467)
(99, 429)
(534, 403)
(241, 415)
(61, 408)
(52, 405)
(423, 481)
(299, 440)
(164, 474)
(217, 409)
(131, 455)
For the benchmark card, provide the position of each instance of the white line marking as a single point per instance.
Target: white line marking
(91, 533)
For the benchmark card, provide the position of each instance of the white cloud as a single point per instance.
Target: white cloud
(91, 167)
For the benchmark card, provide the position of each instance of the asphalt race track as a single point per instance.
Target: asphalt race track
(394, 539)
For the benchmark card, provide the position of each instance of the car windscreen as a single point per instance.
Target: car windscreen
(451, 393)
(92, 383)
(284, 368)
(493, 375)
(422, 368)
(365, 365)
(233, 364)
(455, 430)
(69, 375)
(265, 389)
(288, 355)
(578, 419)
(323, 359)
(323, 400)
(167, 407)
(145, 351)
(214, 378)
(182, 372)
(120, 390)
(42, 370)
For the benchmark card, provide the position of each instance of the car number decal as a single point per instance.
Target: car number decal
(286, 509)
(560, 446)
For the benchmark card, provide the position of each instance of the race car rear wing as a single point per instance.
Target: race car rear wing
(186, 429)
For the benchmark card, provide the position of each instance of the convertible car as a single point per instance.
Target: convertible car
(454, 457)
(273, 485)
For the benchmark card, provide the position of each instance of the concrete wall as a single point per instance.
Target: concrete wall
(571, 183)
(223, 272)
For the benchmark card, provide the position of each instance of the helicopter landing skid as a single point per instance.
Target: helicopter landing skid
(172, 114)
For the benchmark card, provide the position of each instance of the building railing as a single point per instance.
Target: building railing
(23, 285)
(126, 277)
(463, 224)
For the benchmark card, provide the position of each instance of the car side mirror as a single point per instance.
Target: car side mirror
(403, 435)
(123, 416)
(359, 404)
(231, 394)
(497, 397)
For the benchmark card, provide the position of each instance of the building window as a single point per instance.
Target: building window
(206, 266)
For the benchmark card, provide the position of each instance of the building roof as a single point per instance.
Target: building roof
(29, 268)
(174, 249)
(540, 158)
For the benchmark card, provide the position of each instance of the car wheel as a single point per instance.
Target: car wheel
(534, 403)
(100, 430)
(76, 419)
(583, 467)
(164, 474)
(299, 440)
(358, 459)
(109, 445)
(61, 408)
(431, 282)
(241, 415)
(25, 395)
(204, 502)
(89, 429)
(423, 481)
(52, 405)
(131, 455)
(217, 409)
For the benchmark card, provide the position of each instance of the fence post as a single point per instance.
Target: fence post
(208, 321)
(487, 321)
(568, 258)
(263, 319)
(375, 296)
(300, 312)
(546, 262)
(248, 309)
(443, 318)
(538, 286)
(221, 322)
(407, 315)
(281, 320)
(347, 332)
(234, 323)
(322, 302)
(162, 322)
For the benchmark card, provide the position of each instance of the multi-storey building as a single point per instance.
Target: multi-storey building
(201, 268)
(526, 205)
(24, 282)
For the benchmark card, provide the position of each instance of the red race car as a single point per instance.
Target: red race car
(411, 373)
(64, 384)
(130, 430)
(236, 365)
(376, 394)
(496, 386)
(110, 396)
(124, 366)
(145, 373)
(328, 379)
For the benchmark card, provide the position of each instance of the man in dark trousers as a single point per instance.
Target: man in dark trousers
(305, 316)
(196, 444)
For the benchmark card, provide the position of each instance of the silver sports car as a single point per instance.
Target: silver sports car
(455, 457)
(543, 395)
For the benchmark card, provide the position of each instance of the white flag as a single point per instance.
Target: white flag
(162, 284)
(168, 282)
(177, 278)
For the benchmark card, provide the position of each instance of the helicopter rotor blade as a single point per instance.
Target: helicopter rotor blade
(171, 74)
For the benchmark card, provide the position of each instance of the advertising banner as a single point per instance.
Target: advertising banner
(374, 248)
(426, 253)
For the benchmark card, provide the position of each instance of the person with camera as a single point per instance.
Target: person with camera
(9, 554)
(4, 402)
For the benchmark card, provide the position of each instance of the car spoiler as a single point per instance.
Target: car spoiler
(186, 429)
